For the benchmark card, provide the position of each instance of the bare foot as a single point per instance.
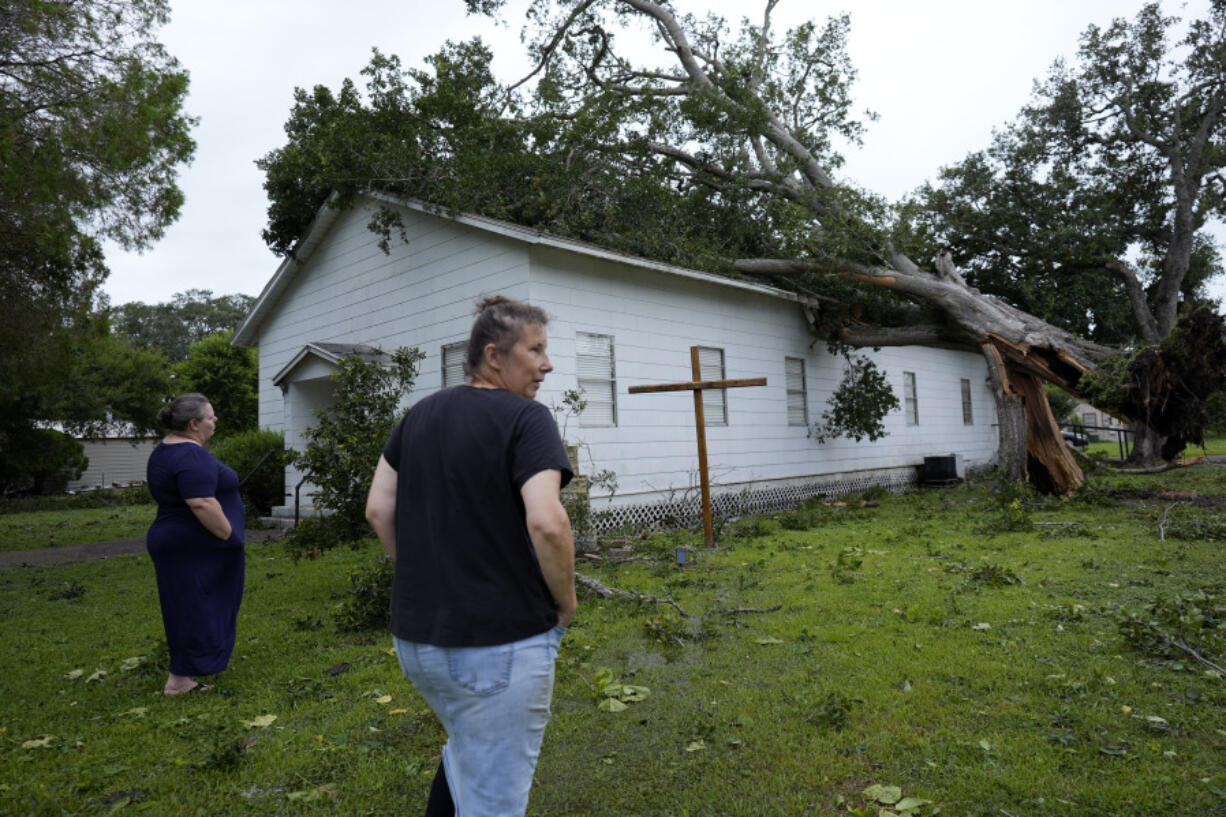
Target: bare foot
(179, 684)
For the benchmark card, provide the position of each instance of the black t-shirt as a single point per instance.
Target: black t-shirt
(466, 571)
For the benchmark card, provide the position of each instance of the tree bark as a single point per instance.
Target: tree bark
(1146, 446)
(1050, 466)
(1010, 418)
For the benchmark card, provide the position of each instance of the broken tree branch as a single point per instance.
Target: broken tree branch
(606, 592)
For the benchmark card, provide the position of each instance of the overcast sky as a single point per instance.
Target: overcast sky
(940, 73)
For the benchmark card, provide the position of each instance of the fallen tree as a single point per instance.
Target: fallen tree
(755, 115)
(718, 160)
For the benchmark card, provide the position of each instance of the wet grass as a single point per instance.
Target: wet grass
(1110, 448)
(961, 645)
(28, 530)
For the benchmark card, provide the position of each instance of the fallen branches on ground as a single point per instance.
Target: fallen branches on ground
(604, 591)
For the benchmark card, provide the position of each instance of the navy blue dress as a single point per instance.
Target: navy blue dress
(200, 577)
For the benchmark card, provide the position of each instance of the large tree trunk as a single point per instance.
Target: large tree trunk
(1146, 445)
(1010, 418)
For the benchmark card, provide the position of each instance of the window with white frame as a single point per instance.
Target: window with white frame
(714, 401)
(798, 404)
(1090, 418)
(910, 404)
(968, 416)
(453, 363)
(597, 377)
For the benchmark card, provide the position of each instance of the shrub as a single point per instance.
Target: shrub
(369, 604)
(104, 498)
(265, 481)
(317, 534)
(346, 441)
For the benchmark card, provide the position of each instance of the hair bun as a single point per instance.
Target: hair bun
(491, 301)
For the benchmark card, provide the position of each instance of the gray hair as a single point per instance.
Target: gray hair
(500, 321)
(178, 414)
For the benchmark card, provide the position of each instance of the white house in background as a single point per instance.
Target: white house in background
(1099, 424)
(616, 321)
(117, 458)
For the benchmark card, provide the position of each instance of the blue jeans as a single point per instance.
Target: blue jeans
(494, 704)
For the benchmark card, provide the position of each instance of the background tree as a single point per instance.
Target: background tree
(1090, 209)
(189, 317)
(111, 387)
(228, 375)
(91, 135)
(40, 461)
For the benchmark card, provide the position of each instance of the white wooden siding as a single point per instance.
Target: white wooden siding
(419, 294)
(656, 318)
(114, 462)
(422, 294)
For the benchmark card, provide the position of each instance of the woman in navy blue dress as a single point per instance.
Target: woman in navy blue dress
(196, 543)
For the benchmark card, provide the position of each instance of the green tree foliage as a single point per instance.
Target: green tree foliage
(454, 136)
(857, 407)
(105, 387)
(1063, 404)
(228, 375)
(346, 442)
(187, 318)
(40, 461)
(110, 387)
(91, 135)
(1090, 209)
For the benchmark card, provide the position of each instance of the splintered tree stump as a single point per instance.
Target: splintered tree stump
(1049, 460)
(1018, 372)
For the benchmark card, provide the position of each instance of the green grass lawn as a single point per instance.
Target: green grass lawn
(38, 529)
(1215, 446)
(960, 647)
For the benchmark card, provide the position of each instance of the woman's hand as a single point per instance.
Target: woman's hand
(208, 510)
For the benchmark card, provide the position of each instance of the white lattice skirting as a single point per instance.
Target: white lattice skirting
(688, 512)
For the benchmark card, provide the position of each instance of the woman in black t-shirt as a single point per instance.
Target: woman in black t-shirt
(465, 500)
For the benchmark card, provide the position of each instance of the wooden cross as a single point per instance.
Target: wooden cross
(697, 385)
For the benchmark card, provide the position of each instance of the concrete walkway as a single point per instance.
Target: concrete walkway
(60, 555)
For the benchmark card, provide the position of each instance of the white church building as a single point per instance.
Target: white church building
(616, 321)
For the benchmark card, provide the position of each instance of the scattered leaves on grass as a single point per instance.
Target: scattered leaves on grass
(896, 804)
(39, 743)
(612, 695)
(696, 746)
(73, 675)
(259, 723)
(138, 712)
(768, 640)
(383, 699)
(885, 795)
(311, 795)
(98, 675)
(135, 662)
